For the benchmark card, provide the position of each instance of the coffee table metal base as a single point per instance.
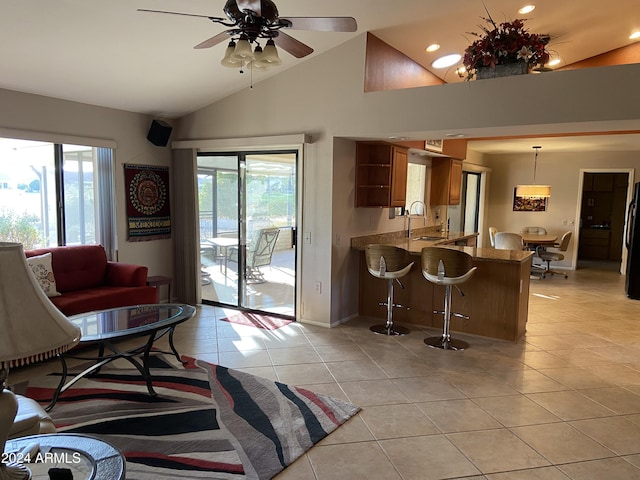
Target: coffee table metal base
(108, 352)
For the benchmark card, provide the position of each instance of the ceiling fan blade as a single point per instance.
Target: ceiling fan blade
(324, 24)
(214, 19)
(253, 5)
(291, 45)
(213, 41)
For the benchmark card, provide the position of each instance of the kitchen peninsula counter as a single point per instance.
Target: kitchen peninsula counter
(496, 298)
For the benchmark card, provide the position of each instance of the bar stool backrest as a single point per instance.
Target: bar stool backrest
(395, 258)
(456, 263)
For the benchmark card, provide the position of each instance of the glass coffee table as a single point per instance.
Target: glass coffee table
(88, 458)
(106, 329)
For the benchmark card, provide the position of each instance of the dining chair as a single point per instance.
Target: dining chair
(492, 235)
(534, 230)
(509, 241)
(554, 256)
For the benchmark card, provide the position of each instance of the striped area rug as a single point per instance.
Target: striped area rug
(207, 421)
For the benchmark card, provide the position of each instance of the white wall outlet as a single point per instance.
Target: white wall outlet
(318, 287)
(307, 238)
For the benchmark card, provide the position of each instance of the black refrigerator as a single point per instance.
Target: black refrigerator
(632, 240)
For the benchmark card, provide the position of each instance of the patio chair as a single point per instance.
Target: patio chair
(259, 253)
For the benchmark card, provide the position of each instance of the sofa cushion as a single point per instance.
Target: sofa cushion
(76, 267)
(102, 298)
(42, 271)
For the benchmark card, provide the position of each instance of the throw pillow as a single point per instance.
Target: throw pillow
(41, 268)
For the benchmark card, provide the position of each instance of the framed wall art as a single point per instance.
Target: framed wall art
(527, 204)
(148, 209)
(433, 145)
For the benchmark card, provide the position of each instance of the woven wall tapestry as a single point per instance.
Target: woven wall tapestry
(148, 210)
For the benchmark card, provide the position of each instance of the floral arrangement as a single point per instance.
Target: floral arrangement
(508, 42)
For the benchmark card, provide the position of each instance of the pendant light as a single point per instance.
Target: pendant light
(534, 191)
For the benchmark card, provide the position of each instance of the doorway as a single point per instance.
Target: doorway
(465, 217)
(603, 203)
(248, 216)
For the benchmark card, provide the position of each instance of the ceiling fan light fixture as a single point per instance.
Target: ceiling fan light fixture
(270, 54)
(258, 63)
(228, 60)
(243, 49)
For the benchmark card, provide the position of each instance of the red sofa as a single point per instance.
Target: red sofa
(86, 281)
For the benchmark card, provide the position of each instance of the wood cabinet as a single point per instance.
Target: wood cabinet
(446, 181)
(598, 182)
(381, 174)
(594, 244)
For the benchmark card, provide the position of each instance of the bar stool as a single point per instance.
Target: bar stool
(456, 268)
(389, 263)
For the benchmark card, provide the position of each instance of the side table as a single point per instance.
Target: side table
(158, 281)
(87, 457)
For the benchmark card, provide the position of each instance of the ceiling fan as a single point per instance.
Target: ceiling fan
(252, 20)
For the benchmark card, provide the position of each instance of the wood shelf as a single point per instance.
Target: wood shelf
(381, 174)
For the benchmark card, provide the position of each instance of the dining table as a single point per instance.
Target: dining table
(533, 240)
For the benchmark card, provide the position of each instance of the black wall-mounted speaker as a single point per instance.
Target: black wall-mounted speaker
(159, 133)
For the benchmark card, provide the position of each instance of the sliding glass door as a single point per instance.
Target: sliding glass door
(248, 208)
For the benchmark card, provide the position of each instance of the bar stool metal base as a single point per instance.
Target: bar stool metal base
(391, 330)
(451, 344)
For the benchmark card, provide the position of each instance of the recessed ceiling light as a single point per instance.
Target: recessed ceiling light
(446, 61)
(635, 35)
(433, 47)
(527, 9)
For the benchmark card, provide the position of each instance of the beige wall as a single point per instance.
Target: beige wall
(44, 118)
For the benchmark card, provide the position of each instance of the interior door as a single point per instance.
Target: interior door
(248, 218)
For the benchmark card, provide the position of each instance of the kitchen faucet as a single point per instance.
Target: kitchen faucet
(424, 215)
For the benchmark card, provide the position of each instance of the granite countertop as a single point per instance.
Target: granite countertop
(415, 245)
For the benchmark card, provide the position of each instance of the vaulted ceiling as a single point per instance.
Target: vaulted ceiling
(108, 53)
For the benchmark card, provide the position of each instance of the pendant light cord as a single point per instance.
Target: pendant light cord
(535, 163)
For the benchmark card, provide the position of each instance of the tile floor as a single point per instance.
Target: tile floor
(564, 403)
